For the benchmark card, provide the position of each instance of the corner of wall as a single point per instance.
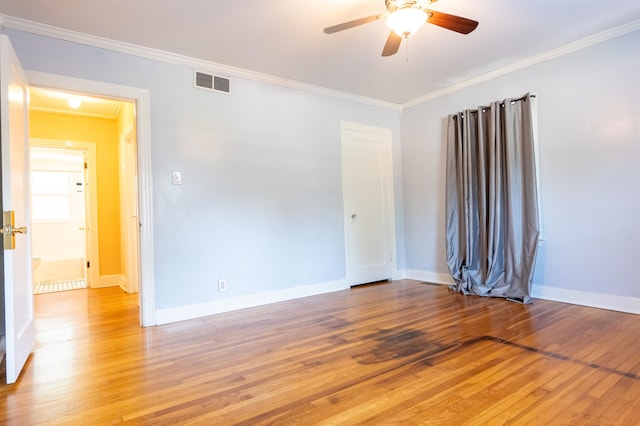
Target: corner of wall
(115, 280)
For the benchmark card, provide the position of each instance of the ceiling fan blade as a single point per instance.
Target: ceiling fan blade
(451, 22)
(351, 24)
(392, 45)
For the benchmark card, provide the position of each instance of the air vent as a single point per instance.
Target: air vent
(211, 82)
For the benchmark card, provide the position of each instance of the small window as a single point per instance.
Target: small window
(51, 195)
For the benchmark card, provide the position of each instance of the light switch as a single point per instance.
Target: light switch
(176, 178)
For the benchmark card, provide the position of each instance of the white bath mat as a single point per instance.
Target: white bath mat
(61, 286)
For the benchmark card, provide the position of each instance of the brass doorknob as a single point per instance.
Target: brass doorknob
(9, 231)
(20, 230)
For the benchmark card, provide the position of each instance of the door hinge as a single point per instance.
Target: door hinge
(88, 264)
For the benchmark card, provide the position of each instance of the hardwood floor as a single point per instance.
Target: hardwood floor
(400, 353)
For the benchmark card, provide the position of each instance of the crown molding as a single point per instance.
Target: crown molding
(221, 69)
(38, 28)
(551, 54)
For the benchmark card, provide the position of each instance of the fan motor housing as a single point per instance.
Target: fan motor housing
(393, 5)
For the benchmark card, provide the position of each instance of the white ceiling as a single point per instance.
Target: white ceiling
(285, 38)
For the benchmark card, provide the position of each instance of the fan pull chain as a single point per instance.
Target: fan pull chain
(406, 48)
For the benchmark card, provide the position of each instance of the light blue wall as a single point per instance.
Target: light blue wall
(589, 123)
(261, 199)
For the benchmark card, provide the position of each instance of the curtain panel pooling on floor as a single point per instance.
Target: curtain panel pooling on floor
(492, 225)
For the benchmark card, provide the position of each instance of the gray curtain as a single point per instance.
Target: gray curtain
(492, 225)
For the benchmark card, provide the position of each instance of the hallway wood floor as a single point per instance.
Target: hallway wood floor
(400, 353)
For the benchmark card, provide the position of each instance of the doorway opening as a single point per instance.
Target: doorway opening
(83, 232)
(18, 299)
(139, 100)
(59, 219)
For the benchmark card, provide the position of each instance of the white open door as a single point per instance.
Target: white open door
(18, 292)
(368, 203)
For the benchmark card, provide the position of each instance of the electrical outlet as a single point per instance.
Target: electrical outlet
(222, 284)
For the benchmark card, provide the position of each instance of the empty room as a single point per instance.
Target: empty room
(336, 212)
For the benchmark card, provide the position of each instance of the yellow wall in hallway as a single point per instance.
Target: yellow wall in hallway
(104, 133)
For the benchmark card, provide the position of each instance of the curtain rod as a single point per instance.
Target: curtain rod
(522, 98)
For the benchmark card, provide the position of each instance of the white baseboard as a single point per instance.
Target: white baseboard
(585, 298)
(182, 313)
(124, 284)
(399, 274)
(575, 297)
(110, 281)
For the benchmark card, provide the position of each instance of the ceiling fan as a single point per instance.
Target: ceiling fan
(404, 17)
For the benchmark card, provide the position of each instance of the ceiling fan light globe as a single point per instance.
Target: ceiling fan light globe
(406, 21)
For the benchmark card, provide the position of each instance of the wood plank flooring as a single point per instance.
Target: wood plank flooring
(399, 353)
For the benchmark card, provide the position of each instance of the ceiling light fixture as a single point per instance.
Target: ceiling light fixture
(406, 21)
(74, 102)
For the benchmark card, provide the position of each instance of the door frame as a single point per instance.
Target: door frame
(141, 98)
(390, 201)
(93, 252)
